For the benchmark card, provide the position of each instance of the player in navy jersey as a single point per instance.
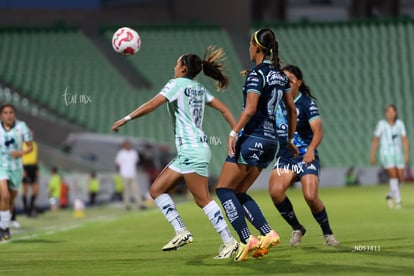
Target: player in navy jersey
(252, 144)
(303, 167)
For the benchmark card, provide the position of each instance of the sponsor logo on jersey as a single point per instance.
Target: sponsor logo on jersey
(189, 91)
(273, 77)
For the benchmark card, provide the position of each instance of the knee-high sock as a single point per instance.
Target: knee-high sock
(322, 219)
(167, 207)
(32, 201)
(285, 209)
(253, 213)
(395, 189)
(24, 199)
(5, 219)
(214, 214)
(234, 212)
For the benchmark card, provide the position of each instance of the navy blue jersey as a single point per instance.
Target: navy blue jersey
(307, 110)
(270, 83)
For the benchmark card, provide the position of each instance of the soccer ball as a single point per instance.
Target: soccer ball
(126, 41)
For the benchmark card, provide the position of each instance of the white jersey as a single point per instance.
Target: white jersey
(390, 137)
(186, 104)
(13, 140)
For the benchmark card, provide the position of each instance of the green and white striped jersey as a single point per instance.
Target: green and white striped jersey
(390, 137)
(12, 140)
(186, 104)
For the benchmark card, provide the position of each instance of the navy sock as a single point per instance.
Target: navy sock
(322, 219)
(24, 199)
(32, 200)
(254, 214)
(286, 211)
(13, 217)
(234, 212)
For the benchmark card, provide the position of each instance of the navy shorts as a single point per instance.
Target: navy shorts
(284, 164)
(254, 151)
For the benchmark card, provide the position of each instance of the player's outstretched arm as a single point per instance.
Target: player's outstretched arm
(142, 110)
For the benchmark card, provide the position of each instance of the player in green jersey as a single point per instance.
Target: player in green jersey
(186, 100)
(13, 133)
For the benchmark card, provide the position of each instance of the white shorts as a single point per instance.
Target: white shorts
(194, 160)
(392, 161)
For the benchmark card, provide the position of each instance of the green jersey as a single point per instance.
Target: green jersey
(186, 104)
(390, 136)
(13, 140)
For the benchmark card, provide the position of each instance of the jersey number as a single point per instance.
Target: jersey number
(274, 100)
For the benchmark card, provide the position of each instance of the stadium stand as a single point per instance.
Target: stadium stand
(52, 65)
(353, 69)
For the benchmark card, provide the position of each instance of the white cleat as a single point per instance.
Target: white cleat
(296, 238)
(330, 240)
(228, 249)
(181, 238)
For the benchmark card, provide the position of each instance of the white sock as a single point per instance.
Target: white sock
(167, 207)
(395, 189)
(5, 217)
(214, 214)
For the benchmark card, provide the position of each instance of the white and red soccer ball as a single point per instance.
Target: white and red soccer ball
(126, 41)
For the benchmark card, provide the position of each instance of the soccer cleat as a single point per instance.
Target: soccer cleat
(181, 238)
(5, 234)
(297, 237)
(399, 205)
(330, 240)
(228, 249)
(266, 242)
(243, 251)
(389, 201)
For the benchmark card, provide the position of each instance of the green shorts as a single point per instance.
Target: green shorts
(193, 160)
(14, 177)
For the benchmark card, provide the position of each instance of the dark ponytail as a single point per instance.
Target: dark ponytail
(212, 66)
(298, 74)
(266, 40)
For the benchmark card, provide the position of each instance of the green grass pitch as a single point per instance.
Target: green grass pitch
(375, 240)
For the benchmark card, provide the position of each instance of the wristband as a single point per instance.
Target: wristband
(291, 140)
(127, 118)
(233, 134)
